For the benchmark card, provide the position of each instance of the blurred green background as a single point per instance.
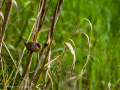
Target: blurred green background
(104, 53)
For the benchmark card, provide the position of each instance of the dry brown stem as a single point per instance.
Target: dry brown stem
(44, 46)
(51, 35)
(4, 25)
(5, 22)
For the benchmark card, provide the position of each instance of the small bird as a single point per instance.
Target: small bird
(32, 46)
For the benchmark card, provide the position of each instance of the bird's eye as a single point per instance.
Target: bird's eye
(39, 46)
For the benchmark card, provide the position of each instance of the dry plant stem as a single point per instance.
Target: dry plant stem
(40, 70)
(117, 87)
(53, 60)
(43, 14)
(89, 43)
(112, 76)
(1, 64)
(26, 70)
(87, 60)
(49, 79)
(38, 62)
(27, 65)
(0, 11)
(4, 25)
(59, 66)
(38, 20)
(5, 63)
(115, 83)
(21, 60)
(52, 31)
(42, 8)
(41, 17)
(0, 5)
(45, 45)
(48, 66)
(30, 55)
(11, 58)
(71, 78)
(48, 69)
(27, 87)
(6, 17)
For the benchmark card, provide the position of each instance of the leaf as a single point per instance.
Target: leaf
(15, 3)
(73, 52)
(70, 47)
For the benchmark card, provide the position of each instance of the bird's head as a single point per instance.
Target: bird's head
(39, 45)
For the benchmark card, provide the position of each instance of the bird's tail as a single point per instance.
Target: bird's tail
(22, 39)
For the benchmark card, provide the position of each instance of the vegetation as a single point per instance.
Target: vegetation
(80, 51)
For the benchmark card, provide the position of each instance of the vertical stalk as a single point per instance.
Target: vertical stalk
(46, 43)
(38, 22)
(4, 26)
(5, 22)
(0, 4)
(51, 35)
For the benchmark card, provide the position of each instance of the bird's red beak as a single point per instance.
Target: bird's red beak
(40, 47)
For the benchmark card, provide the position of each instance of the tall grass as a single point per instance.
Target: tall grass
(77, 54)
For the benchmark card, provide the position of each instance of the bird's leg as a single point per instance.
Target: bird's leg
(28, 50)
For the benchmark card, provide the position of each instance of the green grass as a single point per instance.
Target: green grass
(105, 41)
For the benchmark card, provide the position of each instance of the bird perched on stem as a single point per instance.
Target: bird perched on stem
(32, 46)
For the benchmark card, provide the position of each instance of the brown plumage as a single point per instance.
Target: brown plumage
(32, 46)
